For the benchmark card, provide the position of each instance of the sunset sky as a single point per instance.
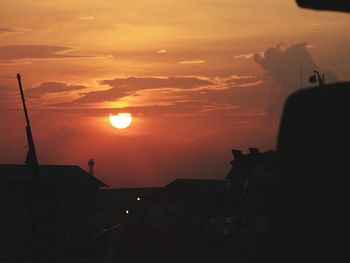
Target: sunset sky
(200, 77)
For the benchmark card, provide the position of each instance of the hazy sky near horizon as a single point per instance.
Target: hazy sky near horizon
(200, 77)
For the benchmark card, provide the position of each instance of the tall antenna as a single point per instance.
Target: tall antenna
(31, 159)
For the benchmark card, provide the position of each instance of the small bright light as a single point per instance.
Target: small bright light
(127, 211)
(138, 199)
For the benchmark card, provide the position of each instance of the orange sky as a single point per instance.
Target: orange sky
(199, 76)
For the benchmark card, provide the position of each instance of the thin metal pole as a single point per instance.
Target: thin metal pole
(28, 129)
(23, 100)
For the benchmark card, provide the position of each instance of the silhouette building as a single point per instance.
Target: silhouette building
(252, 175)
(69, 193)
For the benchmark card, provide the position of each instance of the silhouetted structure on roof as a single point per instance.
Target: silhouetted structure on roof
(252, 175)
(70, 193)
(185, 192)
(58, 176)
(195, 186)
(183, 205)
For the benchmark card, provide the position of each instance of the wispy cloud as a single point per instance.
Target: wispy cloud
(14, 62)
(122, 87)
(86, 17)
(5, 31)
(101, 96)
(175, 96)
(20, 53)
(162, 51)
(194, 61)
(246, 56)
(142, 83)
(204, 94)
(240, 81)
(52, 87)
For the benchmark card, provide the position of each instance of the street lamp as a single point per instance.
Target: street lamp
(317, 77)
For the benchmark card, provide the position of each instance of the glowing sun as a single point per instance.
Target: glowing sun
(121, 120)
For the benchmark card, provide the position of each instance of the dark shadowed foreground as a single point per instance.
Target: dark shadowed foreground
(288, 205)
(336, 5)
(313, 149)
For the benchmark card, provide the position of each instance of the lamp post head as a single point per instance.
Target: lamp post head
(313, 79)
(91, 164)
(316, 77)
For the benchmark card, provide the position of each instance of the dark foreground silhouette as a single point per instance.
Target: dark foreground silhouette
(288, 205)
(292, 205)
(299, 214)
(336, 5)
(313, 151)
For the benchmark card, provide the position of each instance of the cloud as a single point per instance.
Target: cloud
(222, 96)
(22, 52)
(197, 94)
(289, 68)
(52, 87)
(5, 31)
(122, 87)
(181, 95)
(246, 56)
(248, 96)
(162, 51)
(195, 61)
(14, 62)
(86, 18)
(224, 93)
(236, 80)
(175, 108)
(101, 96)
(141, 83)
